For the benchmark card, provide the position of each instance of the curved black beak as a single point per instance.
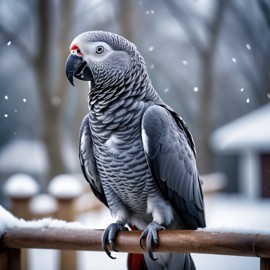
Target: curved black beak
(78, 68)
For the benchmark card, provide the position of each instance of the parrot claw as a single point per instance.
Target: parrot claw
(109, 235)
(150, 233)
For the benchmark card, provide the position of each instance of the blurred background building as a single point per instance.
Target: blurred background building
(248, 137)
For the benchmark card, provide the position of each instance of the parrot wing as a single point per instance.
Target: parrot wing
(88, 162)
(170, 154)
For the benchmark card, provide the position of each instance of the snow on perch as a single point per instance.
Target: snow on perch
(65, 186)
(8, 221)
(238, 230)
(21, 186)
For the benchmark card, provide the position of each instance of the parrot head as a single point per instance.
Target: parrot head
(102, 58)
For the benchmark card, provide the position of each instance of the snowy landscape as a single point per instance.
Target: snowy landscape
(208, 60)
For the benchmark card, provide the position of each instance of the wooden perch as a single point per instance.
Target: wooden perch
(253, 245)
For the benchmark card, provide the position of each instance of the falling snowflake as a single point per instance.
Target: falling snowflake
(248, 46)
(166, 90)
(24, 100)
(147, 12)
(152, 66)
(15, 110)
(268, 95)
(247, 100)
(151, 49)
(5, 115)
(6, 97)
(242, 89)
(9, 43)
(196, 89)
(185, 62)
(234, 60)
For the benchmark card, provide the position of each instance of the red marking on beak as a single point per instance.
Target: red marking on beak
(75, 48)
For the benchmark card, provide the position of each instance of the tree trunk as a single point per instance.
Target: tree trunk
(51, 112)
(205, 124)
(125, 15)
(205, 117)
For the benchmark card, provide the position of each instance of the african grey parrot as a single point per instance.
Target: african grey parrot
(135, 151)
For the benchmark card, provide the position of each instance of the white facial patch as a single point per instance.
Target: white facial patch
(91, 52)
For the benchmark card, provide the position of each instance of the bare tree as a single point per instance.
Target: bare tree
(206, 52)
(125, 14)
(253, 30)
(51, 100)
(51, 92)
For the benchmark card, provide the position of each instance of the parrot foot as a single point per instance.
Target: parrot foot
(109, 235)
(150, 233)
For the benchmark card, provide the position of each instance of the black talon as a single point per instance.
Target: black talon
(109, 235)
(113, 246)
(141, 242)
(150, 233)
(104, 241)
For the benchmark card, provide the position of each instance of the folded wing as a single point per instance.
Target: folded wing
(170, 154)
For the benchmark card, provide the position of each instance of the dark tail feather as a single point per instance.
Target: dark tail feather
(189, 263)
(175, 261)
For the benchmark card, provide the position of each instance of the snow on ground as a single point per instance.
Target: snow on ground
(223, 212)
(26, 156)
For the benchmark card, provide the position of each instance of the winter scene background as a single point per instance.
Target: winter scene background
(209, 60)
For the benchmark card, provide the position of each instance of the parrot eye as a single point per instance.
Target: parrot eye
(100, 49)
